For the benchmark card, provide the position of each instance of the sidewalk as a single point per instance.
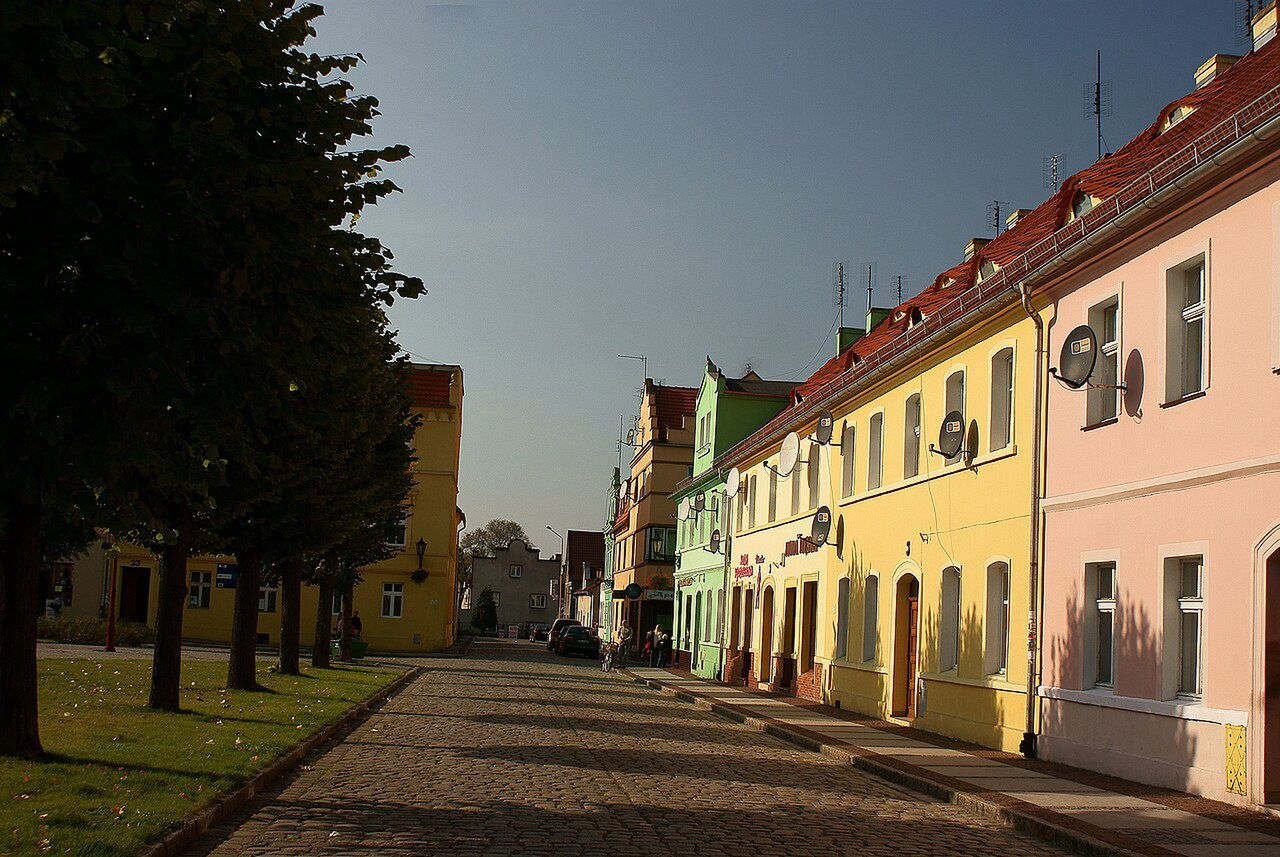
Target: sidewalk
(1085, 811)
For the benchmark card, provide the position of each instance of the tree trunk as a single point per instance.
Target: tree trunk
(166, 661)
(290, 618)
(242, 665)
(324, 612)
(344, 642)
(18, 708)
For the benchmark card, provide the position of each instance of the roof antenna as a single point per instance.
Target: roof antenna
(869, 269)
(898, 279)
(1097, 101)
(839, 289)
(1244, 23)
(1050, 175)
(993, 215)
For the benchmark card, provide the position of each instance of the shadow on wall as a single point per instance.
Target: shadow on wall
(1146, 748)
(963, 710)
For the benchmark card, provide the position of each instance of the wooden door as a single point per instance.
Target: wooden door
(913, 622)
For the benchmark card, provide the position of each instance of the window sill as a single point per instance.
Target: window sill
(1102, 424)
(1180, 707)
(1190, 397)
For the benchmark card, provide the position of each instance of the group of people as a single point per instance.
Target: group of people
(656, 650)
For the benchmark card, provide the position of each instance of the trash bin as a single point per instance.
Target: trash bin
(359, 648)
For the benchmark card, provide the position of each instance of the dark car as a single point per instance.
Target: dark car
(538, 630)
(557, 628)
(577, 640)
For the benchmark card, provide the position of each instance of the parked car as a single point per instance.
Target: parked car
(557, 628)
(538, 630)
(577, 640)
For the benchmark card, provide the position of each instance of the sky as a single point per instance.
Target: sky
(677, 179)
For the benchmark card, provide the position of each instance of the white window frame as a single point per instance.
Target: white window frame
(1178, 320)
(948, 406)
(1102, 603)
(1002, 397)
(949, 619)
(875, 451)
(844, 592)
(200, 589)
(268, 598)
(912, 419)
(404, 531)
(1178, 605)
(515, 571)
(796, 485)
(393, 600)
(1102, 403)
(813, 472)
(849, 456)
(537, 601)
(773, 496)
(999, 578)
(871, 619)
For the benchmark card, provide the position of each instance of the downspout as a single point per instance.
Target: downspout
(726, 545)
(1028, 745)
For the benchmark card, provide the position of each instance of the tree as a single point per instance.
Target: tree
(496, 534)
(484, 617)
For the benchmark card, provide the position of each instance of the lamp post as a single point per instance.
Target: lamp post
(421, 574)
(564, 598)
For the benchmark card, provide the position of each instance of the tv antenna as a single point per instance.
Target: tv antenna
(1244, 22)
(1050, 177)
(1097, 101)
(643, 360)
(839, 289)
(993, 215)
(870, 274)
(898, 280)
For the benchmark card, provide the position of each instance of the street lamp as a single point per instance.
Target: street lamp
(560, 608)
(421, 574)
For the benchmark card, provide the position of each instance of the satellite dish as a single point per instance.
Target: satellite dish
(715, 541)
(1079, 355)
(826, 427)
(790, 454)
(951, 435)
(733, 482)
(839, 543)
(821, 526)
(699, 502)
(682, 511)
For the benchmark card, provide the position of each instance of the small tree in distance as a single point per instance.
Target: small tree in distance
(484, 618)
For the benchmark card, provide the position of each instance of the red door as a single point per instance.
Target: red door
(913, 621)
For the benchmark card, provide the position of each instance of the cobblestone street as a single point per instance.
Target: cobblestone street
(513, 751)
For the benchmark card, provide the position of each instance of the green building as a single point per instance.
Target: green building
(606, 588)
(727, 410)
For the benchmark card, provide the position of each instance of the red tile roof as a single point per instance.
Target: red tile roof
(429, 384)
(675, 405)
(1240, 97)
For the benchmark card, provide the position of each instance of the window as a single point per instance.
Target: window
(201, 589)
(842, 618)
(1103, 396)
(1082, 205)
(1001, 399)
(955, 402)
(1176, 115)
(848, 454)
(870, 616)
(949, 624)
(554, 588)
(393, 600)
(1184, 625)
(773, 496)
(875, 452)
(515, 570)
(796, 479)
(1185, 341)
(1102, 590)
(661, 544)
(538, 601)
(400, 533)
(911, 438)
(997, 653)
(814, 471)
(707, 627)
(751, 501)
(267, 599)
(337, 604)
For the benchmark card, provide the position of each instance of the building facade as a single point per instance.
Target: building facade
(398, 613)
(727, 410)
(1162, 555)
(524, 585)
(644, 527)
(584, 575)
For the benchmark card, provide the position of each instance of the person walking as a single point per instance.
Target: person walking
(655, 655)
(356, 625)
(664, 647)
(624, 644)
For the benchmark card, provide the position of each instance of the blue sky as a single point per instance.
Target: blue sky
(676, 179)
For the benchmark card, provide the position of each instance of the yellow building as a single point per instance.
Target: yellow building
(915, 608)
(398, 614)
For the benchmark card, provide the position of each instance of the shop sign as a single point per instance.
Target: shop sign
(659, 595)
(228, 574)
(743, 568)
(633, 591)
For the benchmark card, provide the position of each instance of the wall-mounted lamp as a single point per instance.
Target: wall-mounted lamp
(421, 574)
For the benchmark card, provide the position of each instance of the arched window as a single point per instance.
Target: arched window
(814, 472)
(875, 452)
(842, 617)
(955, 402)
(797, 476)
(1001, 399)
(997, 648)
(911, 438)
(773, 496)
(870, 617)
(848, 455)
(949, 621)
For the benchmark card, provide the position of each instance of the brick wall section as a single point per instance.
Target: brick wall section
(809, 684)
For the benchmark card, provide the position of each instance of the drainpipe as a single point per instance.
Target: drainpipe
(726, 545)
(1028, 745)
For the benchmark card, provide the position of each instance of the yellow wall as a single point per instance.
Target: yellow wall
(966, 516)
(428, 619)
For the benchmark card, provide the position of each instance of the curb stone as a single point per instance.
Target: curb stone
(229, 804)
(1014, 816)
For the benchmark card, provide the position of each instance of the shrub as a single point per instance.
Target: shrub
(87, 630)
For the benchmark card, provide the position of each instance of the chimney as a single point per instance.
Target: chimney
(875, 315)
(1264, 25)
(846, 336)
(974, 245)
(1214, 66)
(1014, 216)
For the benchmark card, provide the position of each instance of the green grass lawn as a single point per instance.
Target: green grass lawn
(118, 775)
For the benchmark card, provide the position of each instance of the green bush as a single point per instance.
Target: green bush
(86, 630)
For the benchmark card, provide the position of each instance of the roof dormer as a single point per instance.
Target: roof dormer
(1081, 205)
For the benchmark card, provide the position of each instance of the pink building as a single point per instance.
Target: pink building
(1161, 622)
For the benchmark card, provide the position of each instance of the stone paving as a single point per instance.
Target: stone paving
(513, 751)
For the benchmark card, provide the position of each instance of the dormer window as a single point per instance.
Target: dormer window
(914, 317)
(1082, 205)
(1176, 115)
(986, 269)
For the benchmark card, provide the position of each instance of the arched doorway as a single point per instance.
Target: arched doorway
(765, 673)
(906, 645)
(1271, 678)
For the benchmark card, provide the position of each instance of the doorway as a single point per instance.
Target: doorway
(809, 617)
(766, 635)
(787, 663)
(1271, 682)
(135, 594)
(906, 646)
(747, 627)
